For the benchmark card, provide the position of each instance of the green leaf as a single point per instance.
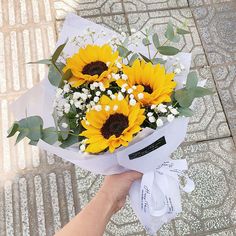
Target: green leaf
(176, 38)
(182, 31)
(145, 58)
(187, 112)
(146, 42)
(123, 51)
(192, 80)
(156, 41)
(201, 92)
(170, 34)
(44, 61)
(23, 133)
(168, 50)
(158, 61)
(72, 139)
(133, 58)
(184, 97)
(12, 130)
(33, 143)
(54, 76)
(58, 52)
(50, 135)
(32, 127)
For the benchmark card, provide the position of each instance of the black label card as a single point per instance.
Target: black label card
(158, 143)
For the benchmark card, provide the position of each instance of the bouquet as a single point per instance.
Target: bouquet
(111, 103)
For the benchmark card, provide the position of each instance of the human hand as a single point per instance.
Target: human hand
(116, 188)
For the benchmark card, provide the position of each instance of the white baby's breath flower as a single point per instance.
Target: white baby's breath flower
(109, 92)
(76, 95)
(113, 96)
(115, 76)
(92, 87)
(140, 96)
(133, 30)
(159, 122)
(134, 87)
(177, 70)
(92, 103)
(130, 90)
(123, 34)
(170, 117)
(174, 111)
(131, 96)
(83, 96)
(107, 108)
(64, 125)
(98, 93)
(132, 102)
(124, 85)
(120, 97)
(115, 107)
(162, 108)
(149, 114)
(66, 108)
(66, 88)
(98, 107)
(152, 119)
(108, 63)
(123, 90)
(124, 76)
(82, 148)
(96, 99)
(153, 107)
(77, 104)
(87, 122)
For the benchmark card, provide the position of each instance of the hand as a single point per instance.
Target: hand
(116, 188)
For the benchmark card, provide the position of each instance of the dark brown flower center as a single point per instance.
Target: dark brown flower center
(147, 89)
(94, 68)
(115, 125)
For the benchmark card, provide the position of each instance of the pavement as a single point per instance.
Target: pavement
(39, 193)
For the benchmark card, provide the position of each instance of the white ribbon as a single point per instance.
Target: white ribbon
(159, 194)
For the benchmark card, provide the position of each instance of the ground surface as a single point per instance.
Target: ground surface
(39, 192)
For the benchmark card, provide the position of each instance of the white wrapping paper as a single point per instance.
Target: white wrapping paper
(156, 198)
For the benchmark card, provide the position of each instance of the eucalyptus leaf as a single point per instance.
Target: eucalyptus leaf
(133, 58)
(176, 38)
(13, 129)
(192, 80)
(156, 41)
(32, 127)
(168, 50)
(54, 75)
(123, 51)
(23, 133)
(145, 58)
(33, 143)
(182, 31)
(158, 61)
(50, 135)
(44, 61)
(184, 97)
(58, 52)
(187, 112)
(72, 139)
(170, 34)
(201, 92)
(146, 42)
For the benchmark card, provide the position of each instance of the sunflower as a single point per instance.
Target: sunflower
(92, 63)
(112, 125)
(150, 83)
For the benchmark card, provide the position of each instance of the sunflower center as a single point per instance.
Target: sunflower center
(115, 125)
(94, 68)
(147, 89)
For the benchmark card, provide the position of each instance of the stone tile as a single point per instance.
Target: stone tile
(216, 25)
(86, 8)
(139, 5)
(196, 3)
(211, 205)
(208, 121)
(159, 19)
(225, 77)
(223, 233)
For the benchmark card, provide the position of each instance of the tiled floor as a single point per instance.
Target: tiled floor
(39, 192)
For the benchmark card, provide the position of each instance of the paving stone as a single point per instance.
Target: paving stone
(216, 25)
(208, 121)
(225, 77)
(139, 5)
(159, 20)
(196, 3)
(223, 233)
(87, 8)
